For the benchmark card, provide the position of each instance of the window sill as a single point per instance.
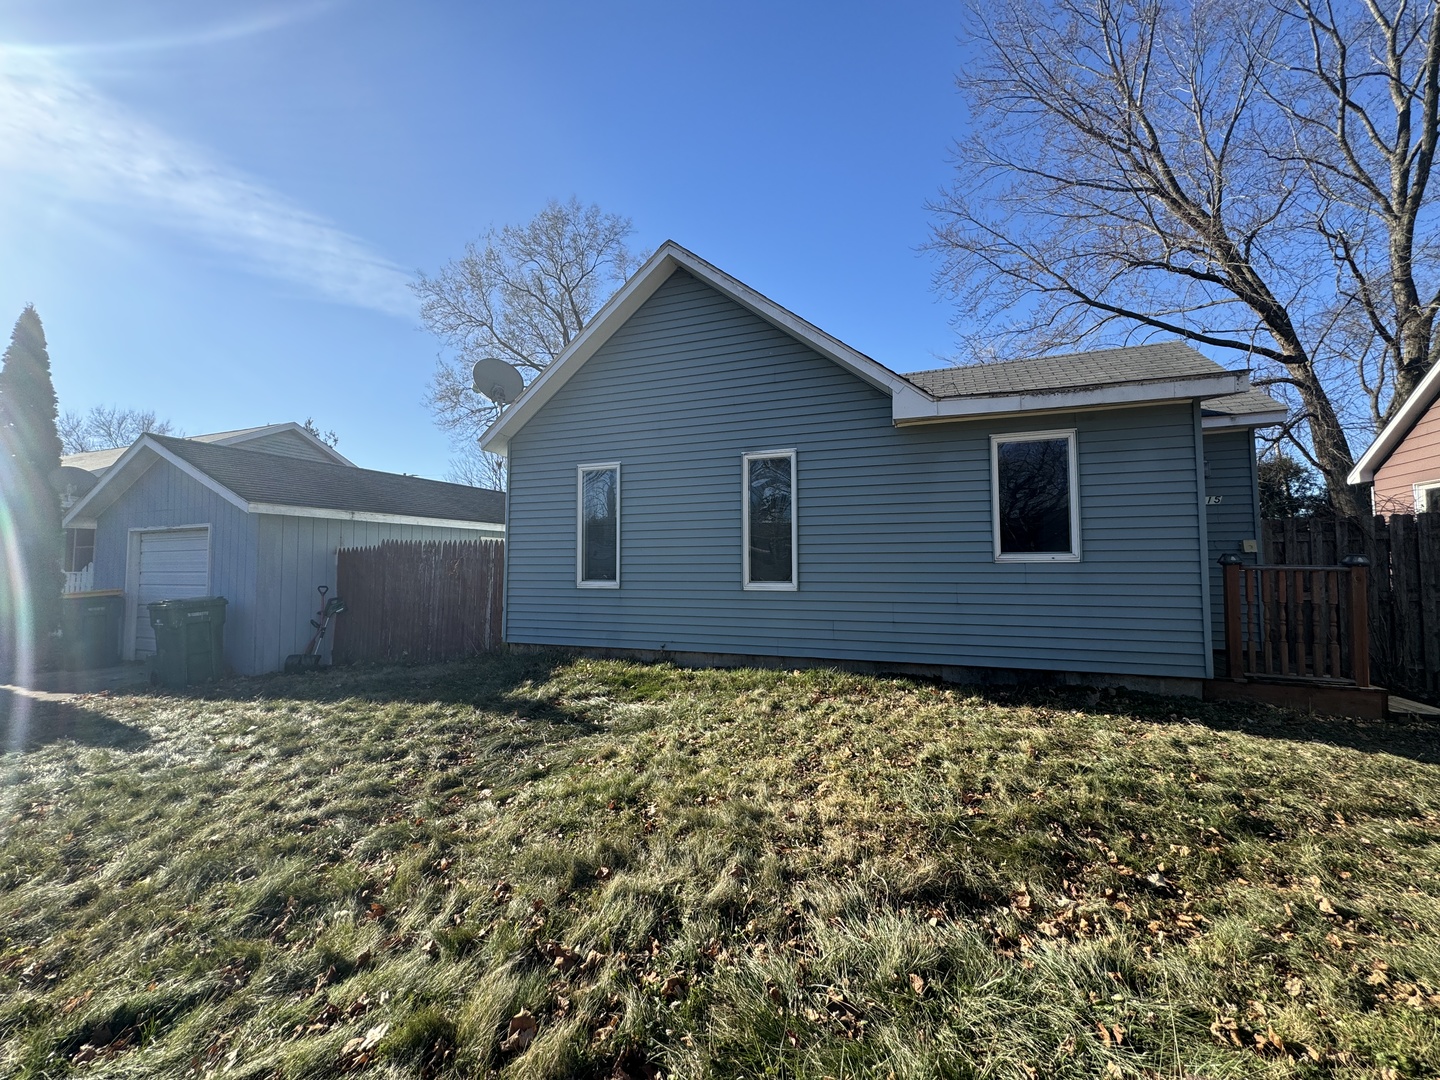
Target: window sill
(597, 584)
(1037, 558)
(770, 586)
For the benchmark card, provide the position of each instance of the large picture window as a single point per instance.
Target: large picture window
(598, 527)
(769, 512)
(1036, 506)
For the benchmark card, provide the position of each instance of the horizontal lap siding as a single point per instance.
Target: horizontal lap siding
(1229, 474)
(1415, 461)
(165, 496)
(895, 549)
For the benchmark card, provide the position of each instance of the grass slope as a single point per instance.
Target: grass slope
(541, 867)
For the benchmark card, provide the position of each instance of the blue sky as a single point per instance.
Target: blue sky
(216, 208)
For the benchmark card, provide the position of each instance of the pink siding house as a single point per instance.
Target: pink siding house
(1404, 460)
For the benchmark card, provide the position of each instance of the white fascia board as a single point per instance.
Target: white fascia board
(112, 485)
(908, 410)
(283, 510)
(1393, 433)
(1249, 420)
(669, 257)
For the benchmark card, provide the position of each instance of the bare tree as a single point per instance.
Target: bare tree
(1251, 178)
(521, 293)
(329, 438)
(104, 427)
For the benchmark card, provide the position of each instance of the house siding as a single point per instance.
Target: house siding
(287, 444)
(298, 554)
(1415, 461)
(1230, 475)
(895, 547)
(165, 497)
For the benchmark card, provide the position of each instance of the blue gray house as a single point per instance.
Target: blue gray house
(176, 518)
(705, 475)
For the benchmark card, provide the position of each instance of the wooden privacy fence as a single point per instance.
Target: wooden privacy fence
(1404, 587)
(419, 601)
(1304, 621)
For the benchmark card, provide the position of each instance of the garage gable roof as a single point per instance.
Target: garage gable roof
(264, 483)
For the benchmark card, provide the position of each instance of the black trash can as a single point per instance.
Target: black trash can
(90, 625)
(189, 639)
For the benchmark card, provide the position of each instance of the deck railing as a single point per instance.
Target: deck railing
(80, 580)
(1300, 621)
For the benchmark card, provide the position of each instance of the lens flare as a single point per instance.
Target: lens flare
(17, 624)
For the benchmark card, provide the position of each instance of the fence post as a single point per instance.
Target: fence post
(1233, 665)
(1359, 567)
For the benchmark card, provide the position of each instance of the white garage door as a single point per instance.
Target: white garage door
(174, 564)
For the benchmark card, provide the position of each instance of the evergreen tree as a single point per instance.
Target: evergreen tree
(31, 537)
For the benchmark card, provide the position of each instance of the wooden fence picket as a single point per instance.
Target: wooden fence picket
(419, 602)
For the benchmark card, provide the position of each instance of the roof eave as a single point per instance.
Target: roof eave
(288, 510)
(911, 410)
(1393, 433)
(99, 498)
(1248, 420)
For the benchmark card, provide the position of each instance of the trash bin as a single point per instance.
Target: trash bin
(189, 639)
(90, 628)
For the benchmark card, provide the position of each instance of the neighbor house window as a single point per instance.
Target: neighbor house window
(79, 549)
(769, 513)
(1427, 497)
(1036, 511)
(598, 527)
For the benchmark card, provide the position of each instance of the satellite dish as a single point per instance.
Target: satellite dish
(69, 480)
(497, 380)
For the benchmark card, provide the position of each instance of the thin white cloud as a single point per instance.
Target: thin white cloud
(82, 145)
(262, 22)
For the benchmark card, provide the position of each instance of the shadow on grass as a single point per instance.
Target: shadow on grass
(28, 723)
(1418, 740)
(502, 684)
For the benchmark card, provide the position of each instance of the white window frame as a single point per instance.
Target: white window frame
(1419, 492)
(1073, 555)
(770, 586)
(580, 471)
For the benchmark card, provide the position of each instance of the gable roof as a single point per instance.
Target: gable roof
(97, 461)
(1109, 377)
(262, 483)
(1393, 433)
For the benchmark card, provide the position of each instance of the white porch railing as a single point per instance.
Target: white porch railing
(80, 580)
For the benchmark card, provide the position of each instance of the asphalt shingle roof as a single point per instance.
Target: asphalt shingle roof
(1251, 401)
(1162, 362)
(256, 476)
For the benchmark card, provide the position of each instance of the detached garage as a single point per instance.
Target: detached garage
(175, 518)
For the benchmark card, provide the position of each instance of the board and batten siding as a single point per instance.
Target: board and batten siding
(296, 556)
(1230, 475)
(164, 497)
(895, 544)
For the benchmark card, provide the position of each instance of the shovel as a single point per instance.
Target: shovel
(309, 660)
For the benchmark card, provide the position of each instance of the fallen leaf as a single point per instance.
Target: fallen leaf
(523, 1027)
(917, 984)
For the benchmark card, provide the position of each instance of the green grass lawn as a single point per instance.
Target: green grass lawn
(542, 866)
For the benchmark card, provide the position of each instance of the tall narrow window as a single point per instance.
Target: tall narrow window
(769, 510)
(598, 527)
(1036, 511)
